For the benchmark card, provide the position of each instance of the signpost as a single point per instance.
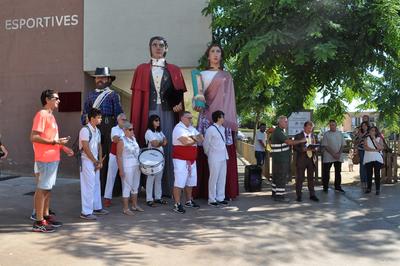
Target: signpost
(296, 121)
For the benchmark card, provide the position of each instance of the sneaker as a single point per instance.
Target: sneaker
(51, 220)
(179, 208)
(314, 198)
(224, 202)
(33, 217)
(161, 201)
(88, 216)
(101, 212)
(215, 204)
(192, 204)
(107, 202)
(367, 191)
(150, 203)
(340, 190)
(42, 227)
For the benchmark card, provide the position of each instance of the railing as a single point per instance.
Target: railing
(389, 173)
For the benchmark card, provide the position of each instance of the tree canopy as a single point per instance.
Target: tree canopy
(283, 52)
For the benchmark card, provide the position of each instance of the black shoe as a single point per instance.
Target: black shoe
(368, 191)
(314, 198)
(161, 201)
(224, 202)
(279, 198)
(325, 189)
(298, 199)
(51, 212)
(339, 189)
(377, 192)
(179, 208)
(192, 204)
(150, 203)
(214, 204)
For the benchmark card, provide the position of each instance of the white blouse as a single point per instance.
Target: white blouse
(207, 76)
(371, 156)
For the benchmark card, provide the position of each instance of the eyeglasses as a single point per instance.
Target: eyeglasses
(160, 45)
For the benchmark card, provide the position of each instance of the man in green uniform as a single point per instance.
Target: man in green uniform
(280, 144)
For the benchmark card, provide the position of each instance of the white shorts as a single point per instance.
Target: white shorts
(184, 177)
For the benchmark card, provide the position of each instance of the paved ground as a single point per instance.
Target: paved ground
(350, 229)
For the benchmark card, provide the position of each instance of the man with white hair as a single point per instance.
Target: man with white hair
(280, 144)
(116, 133)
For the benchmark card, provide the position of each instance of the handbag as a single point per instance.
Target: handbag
(356, 157)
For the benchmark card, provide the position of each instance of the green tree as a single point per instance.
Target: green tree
(325, 46)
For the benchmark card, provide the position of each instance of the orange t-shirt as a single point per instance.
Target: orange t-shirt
(45, 123)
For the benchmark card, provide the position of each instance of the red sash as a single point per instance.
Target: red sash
(187, 153)
(113, 148)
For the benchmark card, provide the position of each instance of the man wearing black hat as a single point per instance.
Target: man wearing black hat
(109, 103)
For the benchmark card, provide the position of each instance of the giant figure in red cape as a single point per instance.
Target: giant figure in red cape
(157, 88)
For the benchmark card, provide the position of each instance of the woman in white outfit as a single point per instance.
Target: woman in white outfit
(373, 159)
(129, 171)
(155, 138)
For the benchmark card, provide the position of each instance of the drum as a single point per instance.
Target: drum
(151, 161)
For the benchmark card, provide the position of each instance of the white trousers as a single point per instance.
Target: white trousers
(130, 184)
(90, 187)
(153, 180)
(217, 180)
(111, 175)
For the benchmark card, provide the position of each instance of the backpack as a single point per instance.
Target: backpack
(75, 147)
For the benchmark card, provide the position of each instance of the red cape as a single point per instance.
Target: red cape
(140, 96)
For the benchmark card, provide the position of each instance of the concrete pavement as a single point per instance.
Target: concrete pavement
(351, 229)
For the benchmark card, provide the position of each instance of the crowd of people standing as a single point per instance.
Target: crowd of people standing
(198, 160)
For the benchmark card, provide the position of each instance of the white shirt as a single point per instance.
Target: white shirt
(117, 131)
(150, 136)
(94, 141)
(131, 152)
(157, 71)
(334, 140)
(181, 130)
(207, 76)
(371, 156)
(214, 144)
(259, 136)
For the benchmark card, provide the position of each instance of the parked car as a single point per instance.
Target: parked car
(241, 136)
(349, 141)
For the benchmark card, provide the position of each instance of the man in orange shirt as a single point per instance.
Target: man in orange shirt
(46, 146)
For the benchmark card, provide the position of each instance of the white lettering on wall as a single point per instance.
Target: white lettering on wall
(41, 22)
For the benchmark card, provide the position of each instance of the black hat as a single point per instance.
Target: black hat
(103, 72)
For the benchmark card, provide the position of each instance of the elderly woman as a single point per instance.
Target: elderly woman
(129, 171)
(373, 158)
